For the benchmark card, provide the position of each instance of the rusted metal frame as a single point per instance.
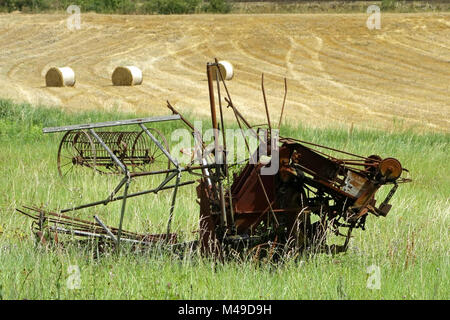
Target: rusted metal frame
(97, 235)
(190, 125)
(260, 217)
(72, 222)
(56, 221)
(219, 74)
(238, 115)
(96, 203)
(159, 145)
(112, 236)
(266, 196)
(265, 103)
(113, 156)
(172, 205)
(122, 213)
(321, 146)
(322, 183)
(347, 239)
(110, 124)
(346, 162)
(126, 180)
(243, 212)
(166, 180)
(284, 101)
(224, 155)
(236, 112)
(209, 70)
(117, 188)
(238, 120)
(177, 173)
(153, 238)
(189, 169)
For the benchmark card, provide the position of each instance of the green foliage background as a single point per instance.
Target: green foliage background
(121, 6)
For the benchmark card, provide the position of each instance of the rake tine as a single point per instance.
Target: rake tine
(284, 101)
(265, 103)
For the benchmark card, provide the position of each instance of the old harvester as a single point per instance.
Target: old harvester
(288, 195)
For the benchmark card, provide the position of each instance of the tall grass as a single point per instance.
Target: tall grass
(410, 245)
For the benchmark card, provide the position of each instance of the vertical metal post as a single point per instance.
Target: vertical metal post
(209, 71)
(224, 155)
(172, 206)
(122, 213)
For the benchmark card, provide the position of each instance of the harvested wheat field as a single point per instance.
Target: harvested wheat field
(338, 71)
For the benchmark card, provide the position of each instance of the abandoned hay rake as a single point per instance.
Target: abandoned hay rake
(134, 149)
(289, 196)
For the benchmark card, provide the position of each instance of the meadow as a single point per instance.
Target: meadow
(410, 245)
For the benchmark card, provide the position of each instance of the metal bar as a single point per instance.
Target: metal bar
(284, 102)
(230, 198)
(265, 103)
(122, 213)
(212, 102)
(113, 156)
(110, 124)
(91, 234)
(325, 147)
(222, 124)
(147, 173)
(105, 228)
(119, 186)
(267, 198)
(96, 203)
(170, 177)
(160, 146)
(209, 71)
(190, 125)
(172, 206)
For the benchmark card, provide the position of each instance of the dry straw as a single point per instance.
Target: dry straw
(127, 76)
(60, 77)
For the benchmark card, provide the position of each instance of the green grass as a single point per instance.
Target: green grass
(410, 245)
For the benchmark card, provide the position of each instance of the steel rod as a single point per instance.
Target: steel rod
(122, 213)
(105, 228)
(172, 205)
(113, 156)
(131, 195)
(110, 124)
(284, 101)
(166, 153)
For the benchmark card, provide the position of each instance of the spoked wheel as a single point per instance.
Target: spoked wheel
(118, 143)
(75, 149)
(146, 155)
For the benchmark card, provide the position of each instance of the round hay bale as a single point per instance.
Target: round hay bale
(127, 76)
(226, 69)
(60, 77)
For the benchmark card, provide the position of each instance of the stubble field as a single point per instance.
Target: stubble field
(338, 71)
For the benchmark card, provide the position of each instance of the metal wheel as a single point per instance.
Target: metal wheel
(75, 149)
(145, 154)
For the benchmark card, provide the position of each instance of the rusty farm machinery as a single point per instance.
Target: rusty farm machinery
(286, 195)
(134, 149)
